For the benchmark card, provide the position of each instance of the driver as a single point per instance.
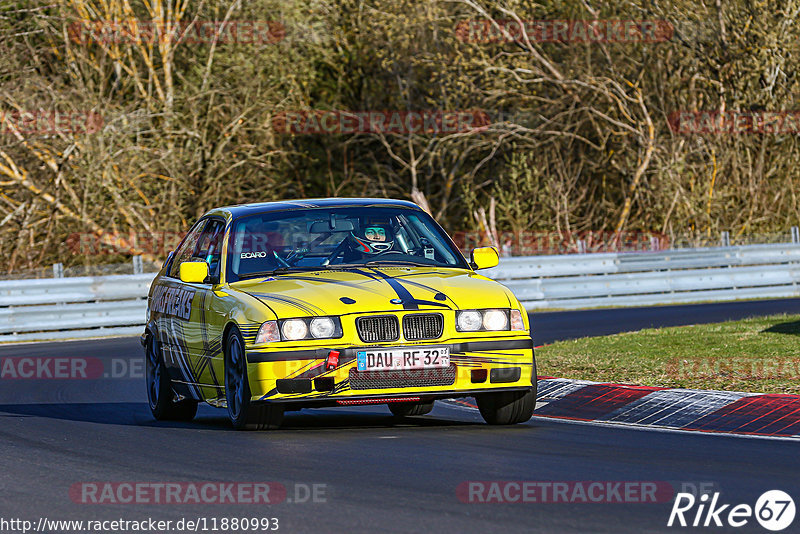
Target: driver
(371, 240)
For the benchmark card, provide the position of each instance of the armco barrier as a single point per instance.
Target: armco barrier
(86, 306)
(61, 308)
(666, 277)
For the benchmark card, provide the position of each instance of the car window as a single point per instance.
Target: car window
(186, 248)
(342, 236)
(209, 246)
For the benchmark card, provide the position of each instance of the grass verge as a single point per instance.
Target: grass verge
(758, 355)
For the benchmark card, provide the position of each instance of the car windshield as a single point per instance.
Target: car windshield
(337, 238)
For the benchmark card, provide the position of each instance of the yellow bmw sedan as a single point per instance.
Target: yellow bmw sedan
(272, 307)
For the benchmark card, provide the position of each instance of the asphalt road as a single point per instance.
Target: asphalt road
(372, 473)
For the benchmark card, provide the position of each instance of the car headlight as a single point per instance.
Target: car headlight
(495, 320)
(300, 328)
(322, 327)
(294, 329)
(469, 321)
(492, 320)
(268, 332)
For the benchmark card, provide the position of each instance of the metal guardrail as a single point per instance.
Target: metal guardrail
(666, 277)
(60, 308)
(85, 306)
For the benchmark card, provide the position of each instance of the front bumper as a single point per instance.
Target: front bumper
(480, 365)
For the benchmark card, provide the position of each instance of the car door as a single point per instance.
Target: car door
(172, 306)
(204, 337)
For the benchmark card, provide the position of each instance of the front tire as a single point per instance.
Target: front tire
(410, 409)
(159, 388)
(507, 407)
(243, 413)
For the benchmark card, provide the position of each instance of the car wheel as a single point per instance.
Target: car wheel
(507, 407)
(159, 388)
(243, 413)
(408, 409)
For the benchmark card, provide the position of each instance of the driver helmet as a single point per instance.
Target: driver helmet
(374, 238)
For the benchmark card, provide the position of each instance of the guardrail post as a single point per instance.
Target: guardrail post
(58, 270)
(137, 265)
(795, 234)
(725, 239)
(581, 246)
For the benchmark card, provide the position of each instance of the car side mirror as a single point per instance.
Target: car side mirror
(484, 258)
(193, 272)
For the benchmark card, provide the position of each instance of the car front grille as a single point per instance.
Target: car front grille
(378, 328)
(413, 378)
(423, 326)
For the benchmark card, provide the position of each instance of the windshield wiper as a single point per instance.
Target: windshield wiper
(334, 266)
(399, 262)
(279, 270)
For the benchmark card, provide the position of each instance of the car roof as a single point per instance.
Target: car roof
(241, 210)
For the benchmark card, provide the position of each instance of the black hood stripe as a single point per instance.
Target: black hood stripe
(409, 302)
(353, 285)
(435, 292)
(306, 307)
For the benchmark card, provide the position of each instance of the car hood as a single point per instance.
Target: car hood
(372, 289)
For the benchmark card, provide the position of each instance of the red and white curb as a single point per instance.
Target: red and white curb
(680, 409)
(725, 412)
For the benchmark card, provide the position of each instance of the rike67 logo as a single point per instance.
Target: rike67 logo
(774, 510)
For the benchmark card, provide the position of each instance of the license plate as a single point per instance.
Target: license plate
(403, 358)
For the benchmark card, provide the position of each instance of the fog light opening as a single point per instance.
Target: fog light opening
(324, 383)
(478, 376)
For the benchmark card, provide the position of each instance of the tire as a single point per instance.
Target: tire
(410, 409)
(243, 413)
(507, 407)
(159, 388)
